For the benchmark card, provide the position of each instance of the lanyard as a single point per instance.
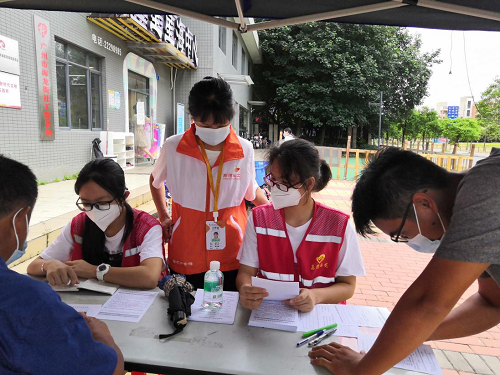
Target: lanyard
(216, 189)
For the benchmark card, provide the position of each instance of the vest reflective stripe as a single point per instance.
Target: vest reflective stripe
(131, 252)
(319, 279)
(237, 226)
(78, 239)
(318, 238)
(277, 276)
(270, 232)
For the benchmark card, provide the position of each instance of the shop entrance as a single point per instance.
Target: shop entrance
(140, 116)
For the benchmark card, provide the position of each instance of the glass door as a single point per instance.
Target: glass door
(140, 117)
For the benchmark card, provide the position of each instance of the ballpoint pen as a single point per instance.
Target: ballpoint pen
(322, 337)
(310, 333)
(315, 335)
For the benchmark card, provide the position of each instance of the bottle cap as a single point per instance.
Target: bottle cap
(214, 265)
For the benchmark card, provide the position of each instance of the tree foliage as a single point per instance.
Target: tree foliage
(488, 111)
(326, 74)
(461, 129)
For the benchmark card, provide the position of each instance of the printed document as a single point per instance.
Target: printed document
(224, 316)
(275, 315)
(89, 310)
(127, 305)
(278, 290)
(421, 360)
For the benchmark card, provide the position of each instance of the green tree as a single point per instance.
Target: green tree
(324, 74)
(488, 110)
(461, 129)
(489, 106)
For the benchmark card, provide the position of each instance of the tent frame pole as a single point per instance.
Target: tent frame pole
(242, 27)
(452, 8)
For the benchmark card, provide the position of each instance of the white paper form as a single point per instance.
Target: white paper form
(361, 316)
(278, 290)
(224, 316)
(421, 360)
(322, 316)
(89, 310)
(127, 305)
(275, 315)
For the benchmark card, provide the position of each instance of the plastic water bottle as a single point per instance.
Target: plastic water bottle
(214, 280)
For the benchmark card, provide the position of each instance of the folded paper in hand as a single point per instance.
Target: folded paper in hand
(278, 290)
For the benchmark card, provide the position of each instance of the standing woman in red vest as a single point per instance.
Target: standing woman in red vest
(109, 241)
(296, 238)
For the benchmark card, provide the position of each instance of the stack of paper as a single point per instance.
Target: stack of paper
(278, 290)
(421, 360)
(225, 315)
(90, 284)
(127, 305)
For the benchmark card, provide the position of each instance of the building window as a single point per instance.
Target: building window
(468, 113)
(79, 93)
(235, 51)
(469, 104)
(222, 39)
(243, 61)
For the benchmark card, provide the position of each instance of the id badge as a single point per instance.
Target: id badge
(216, 236)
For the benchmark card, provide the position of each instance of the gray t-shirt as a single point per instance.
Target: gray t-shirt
(474, 231)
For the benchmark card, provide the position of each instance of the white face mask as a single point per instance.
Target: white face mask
(103, 219)
(211, 136)
(281, 199)
(18, 253)
(421, 243)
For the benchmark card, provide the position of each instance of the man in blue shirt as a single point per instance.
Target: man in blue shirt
(39, 334)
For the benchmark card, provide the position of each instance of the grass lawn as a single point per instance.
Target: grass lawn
(479, 146)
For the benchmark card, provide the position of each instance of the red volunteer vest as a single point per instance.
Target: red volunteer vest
(317, 254)
(143, 222)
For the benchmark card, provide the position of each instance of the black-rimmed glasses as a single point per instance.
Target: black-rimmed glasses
(281, 186)
(397, 237)
(86, 207)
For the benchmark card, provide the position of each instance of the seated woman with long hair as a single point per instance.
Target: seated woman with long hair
(109, 241)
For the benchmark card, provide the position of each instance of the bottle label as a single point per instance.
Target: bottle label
(213, 291)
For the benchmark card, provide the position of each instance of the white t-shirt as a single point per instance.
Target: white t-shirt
(350, 262)
(212, 156)
(62, 247)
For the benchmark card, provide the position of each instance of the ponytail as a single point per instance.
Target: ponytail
(325, 176)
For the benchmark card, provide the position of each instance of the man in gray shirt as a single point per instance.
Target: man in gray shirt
(419, 203)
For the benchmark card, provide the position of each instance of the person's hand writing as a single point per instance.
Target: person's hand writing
(338, 359)
(83, 268)
(59, 273)
(251, 296)
(304, 302)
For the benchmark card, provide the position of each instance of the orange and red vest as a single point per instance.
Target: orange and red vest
(192, 201)
(317, 254)
(143, 222)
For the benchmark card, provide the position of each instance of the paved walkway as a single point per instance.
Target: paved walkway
(390, 269)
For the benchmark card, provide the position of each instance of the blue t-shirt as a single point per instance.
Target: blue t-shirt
(39, 334)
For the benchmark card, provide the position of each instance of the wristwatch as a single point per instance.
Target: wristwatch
(102, 270)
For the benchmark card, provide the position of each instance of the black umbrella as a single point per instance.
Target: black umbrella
(438, 14)
(178, 291)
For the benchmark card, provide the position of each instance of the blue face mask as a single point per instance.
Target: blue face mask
(18, 253)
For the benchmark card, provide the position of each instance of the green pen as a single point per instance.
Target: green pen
(310, 333)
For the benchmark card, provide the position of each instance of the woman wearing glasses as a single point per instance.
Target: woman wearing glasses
(296, 238)
(109, 240)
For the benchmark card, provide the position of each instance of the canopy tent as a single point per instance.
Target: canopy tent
(441, 14)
